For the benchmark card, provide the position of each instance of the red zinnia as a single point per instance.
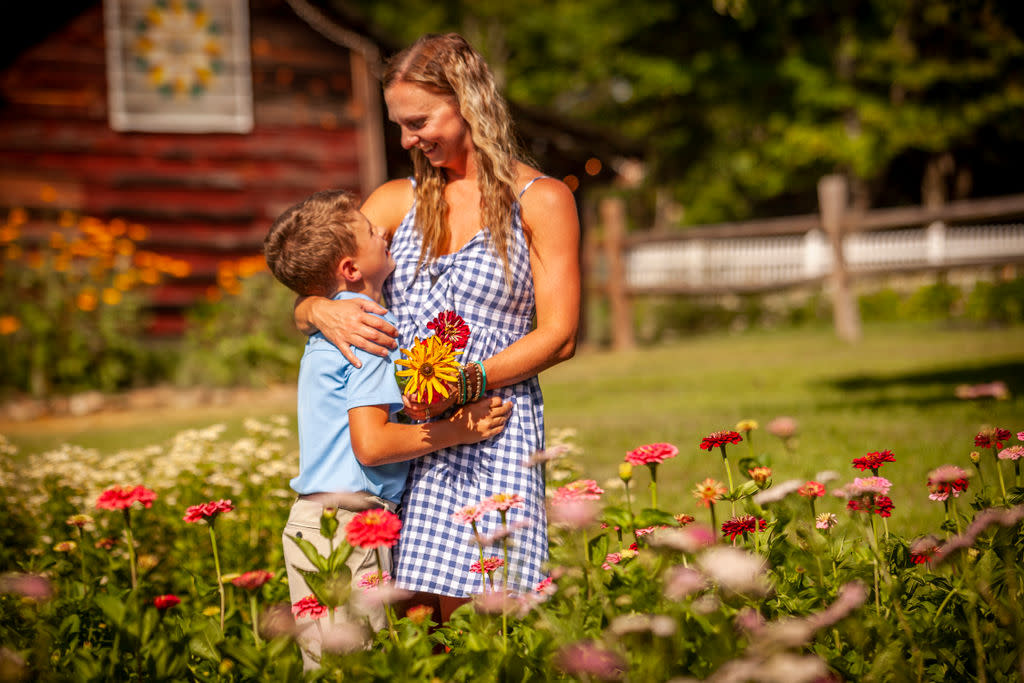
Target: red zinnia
(250, 581)
(742, 524)
(651, 454)
(812, 489)
(209, 510)
(489, 565)
(373, 528)
(719, 439)
(992, 438)
(118, 498)
(450, 328)
(876, 504)
(872, 461)
(166, 601)
(310, 607)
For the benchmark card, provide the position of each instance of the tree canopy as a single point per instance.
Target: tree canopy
(742, 105)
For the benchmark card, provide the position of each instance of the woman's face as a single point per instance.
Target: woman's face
(431, 123)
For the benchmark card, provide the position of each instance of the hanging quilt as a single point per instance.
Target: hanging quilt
(179, 65)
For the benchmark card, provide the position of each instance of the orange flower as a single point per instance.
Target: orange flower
(708, 491)
(9, 325)
(86, 300)
(111, 296)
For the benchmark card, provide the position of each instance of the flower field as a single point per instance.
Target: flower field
(165, 563)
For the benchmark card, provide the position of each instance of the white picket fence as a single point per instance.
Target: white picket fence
(777, 261)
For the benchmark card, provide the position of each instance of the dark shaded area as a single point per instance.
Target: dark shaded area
(23, 24)
(881, 389)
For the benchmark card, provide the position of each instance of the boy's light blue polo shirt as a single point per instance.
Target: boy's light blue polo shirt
(328, 387)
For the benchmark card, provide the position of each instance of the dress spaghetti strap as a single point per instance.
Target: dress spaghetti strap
(527, 187)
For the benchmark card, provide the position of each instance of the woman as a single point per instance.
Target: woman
(482, 233)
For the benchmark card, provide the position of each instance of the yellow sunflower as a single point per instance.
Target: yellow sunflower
(431, 366)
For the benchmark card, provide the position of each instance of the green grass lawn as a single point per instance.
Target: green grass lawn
(894, 390)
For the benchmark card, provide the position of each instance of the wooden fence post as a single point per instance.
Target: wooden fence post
(832, 201)
(612, 213)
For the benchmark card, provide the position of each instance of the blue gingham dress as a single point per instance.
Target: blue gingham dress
(434, 553)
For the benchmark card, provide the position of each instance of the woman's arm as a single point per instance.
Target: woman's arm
(553, 229)
(350, 323)
(378, 441)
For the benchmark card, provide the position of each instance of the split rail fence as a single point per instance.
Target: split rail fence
(827, 249)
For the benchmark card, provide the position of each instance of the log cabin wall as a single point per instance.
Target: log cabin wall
(204, 198)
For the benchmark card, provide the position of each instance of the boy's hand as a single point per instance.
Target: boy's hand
(425, 411)
(482, 419)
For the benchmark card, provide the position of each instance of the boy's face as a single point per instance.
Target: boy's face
(372, 255)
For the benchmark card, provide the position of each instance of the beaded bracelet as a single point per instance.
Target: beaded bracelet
(483, 378)
(462, 386)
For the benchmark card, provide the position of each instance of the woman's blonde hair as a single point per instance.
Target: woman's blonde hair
(447, 65)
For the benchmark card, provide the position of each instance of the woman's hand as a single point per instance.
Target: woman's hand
(424, 411)
(347, 323)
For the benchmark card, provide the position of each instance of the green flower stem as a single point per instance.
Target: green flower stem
(1016, 472)
(81, 560)
(629, 507)
(216, 566)
(387, 608)
(255, 620)
(653, 467)
(956, 517)
(714, 522)
(131, 547)
(504, 547)
(728, 474)
(476, 535)
(1002, 483)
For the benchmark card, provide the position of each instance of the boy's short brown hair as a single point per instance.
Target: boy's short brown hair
(308, 241)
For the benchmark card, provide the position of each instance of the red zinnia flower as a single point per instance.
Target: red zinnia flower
(118, 498)
(947, 480)
(719, 439)
(651, 454)
(310, 607)
(871, 503)
(489, 565)
(250, 581)
(373, 528)
(166, 601)
(872, 461)
(812, 489)
(683, 519)
(992, 438)
(450, 328)
(209, 510)
(742, 524)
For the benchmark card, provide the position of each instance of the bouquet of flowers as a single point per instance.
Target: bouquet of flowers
(432, 371)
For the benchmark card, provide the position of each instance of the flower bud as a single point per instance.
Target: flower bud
(975, 457)
(625, 471)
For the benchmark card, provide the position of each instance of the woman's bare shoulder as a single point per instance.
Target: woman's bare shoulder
(387, 205)
(539, 192)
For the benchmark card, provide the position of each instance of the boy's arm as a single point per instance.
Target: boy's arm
(377, 441)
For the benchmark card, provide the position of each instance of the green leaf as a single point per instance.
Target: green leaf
(311, 553)
(113, 608)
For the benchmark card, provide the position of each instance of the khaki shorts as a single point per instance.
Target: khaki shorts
(304, 522)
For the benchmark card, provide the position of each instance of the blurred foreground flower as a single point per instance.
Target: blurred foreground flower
(163, 602)
(586, 658)
(735, 570)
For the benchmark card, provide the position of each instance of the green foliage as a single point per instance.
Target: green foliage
(244, 339)
(72, 291)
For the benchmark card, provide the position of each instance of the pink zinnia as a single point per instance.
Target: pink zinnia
(166, 601)
(719, 439)
(825, 521)
(581, 489)
(450, 328)
(947, 480)
(469, 514)
(252, 580)
(546, 586)
(310, 607)
(490, 564)
(118, 498)
(610, 559)
(864, 485)
(1011, 452)
(651, 454)
(872, 461)
(373, 528)
(373, 579)
(503, 502)
(209, 510)
(812, 489)
(991, 438)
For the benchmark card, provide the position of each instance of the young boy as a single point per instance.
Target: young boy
(351, 455)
